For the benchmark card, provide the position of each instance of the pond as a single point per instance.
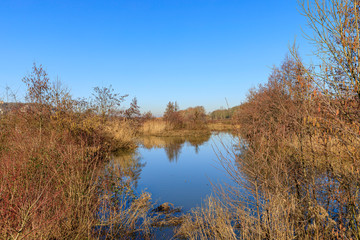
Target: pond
(178, 170)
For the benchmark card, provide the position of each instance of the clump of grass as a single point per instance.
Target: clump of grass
(161, 128)
(223, 125)
(122, 134)
(121, 218)
(154, 127)
(210, 222)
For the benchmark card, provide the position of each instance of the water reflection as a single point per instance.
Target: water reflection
(173, 145)
(151, 169)
(127, 166)
(173, 150)
(188, 182)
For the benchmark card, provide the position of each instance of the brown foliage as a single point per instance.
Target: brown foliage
(299, 161)
(172, 116)
(190, 118)
(52, 153)
(194, 117)
(296, 168)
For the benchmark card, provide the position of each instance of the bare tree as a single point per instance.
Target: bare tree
(134, 110)
(336, 35)
(106, 101)
(38, 85)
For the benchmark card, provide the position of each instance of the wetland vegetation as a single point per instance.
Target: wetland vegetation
(289, 167)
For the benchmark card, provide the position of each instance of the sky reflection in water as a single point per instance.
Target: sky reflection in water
(179, 170)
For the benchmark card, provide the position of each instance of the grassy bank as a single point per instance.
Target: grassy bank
(227, 125)
(163, 128)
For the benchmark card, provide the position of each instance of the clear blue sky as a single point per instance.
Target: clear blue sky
(195, 52)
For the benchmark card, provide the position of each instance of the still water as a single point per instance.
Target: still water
(180, 170)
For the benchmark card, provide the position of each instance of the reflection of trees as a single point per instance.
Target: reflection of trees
(118, 213)
(118, 183)
(173, 145)
(198, 141)
(127, 167)
(266, 181)
(173, 149)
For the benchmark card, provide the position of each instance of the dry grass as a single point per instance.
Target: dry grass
(122, 219)
(223, 126)
(56, 181)
(154, 127)
(160, 128)
(122, 134)
(51, 171)
(210, 222)
(47, 182)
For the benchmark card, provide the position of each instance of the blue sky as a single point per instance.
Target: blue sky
(195, 52)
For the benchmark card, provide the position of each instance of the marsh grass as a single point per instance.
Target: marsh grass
(122, 133)
(211, 221)
(161, 128)
(154, 127)
(223, 125)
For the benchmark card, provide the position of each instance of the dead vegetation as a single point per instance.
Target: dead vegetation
(296, 168)
(53, 150)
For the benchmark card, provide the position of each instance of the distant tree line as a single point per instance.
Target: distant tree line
(221, 114)
(190, 118)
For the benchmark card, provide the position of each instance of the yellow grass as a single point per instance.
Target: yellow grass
(161, 128)
(153, 127)
(122, 133)
(223, 126)
(210, 222)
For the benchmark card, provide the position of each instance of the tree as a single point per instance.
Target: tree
(44, 93)
(172, 116)
(176, 106)
(38, 85)
(106, 101)
(336, 35)
(134, 110)
(60, 97)
(170, 109)
(194, 117)
(335, 25)
(148, 115)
